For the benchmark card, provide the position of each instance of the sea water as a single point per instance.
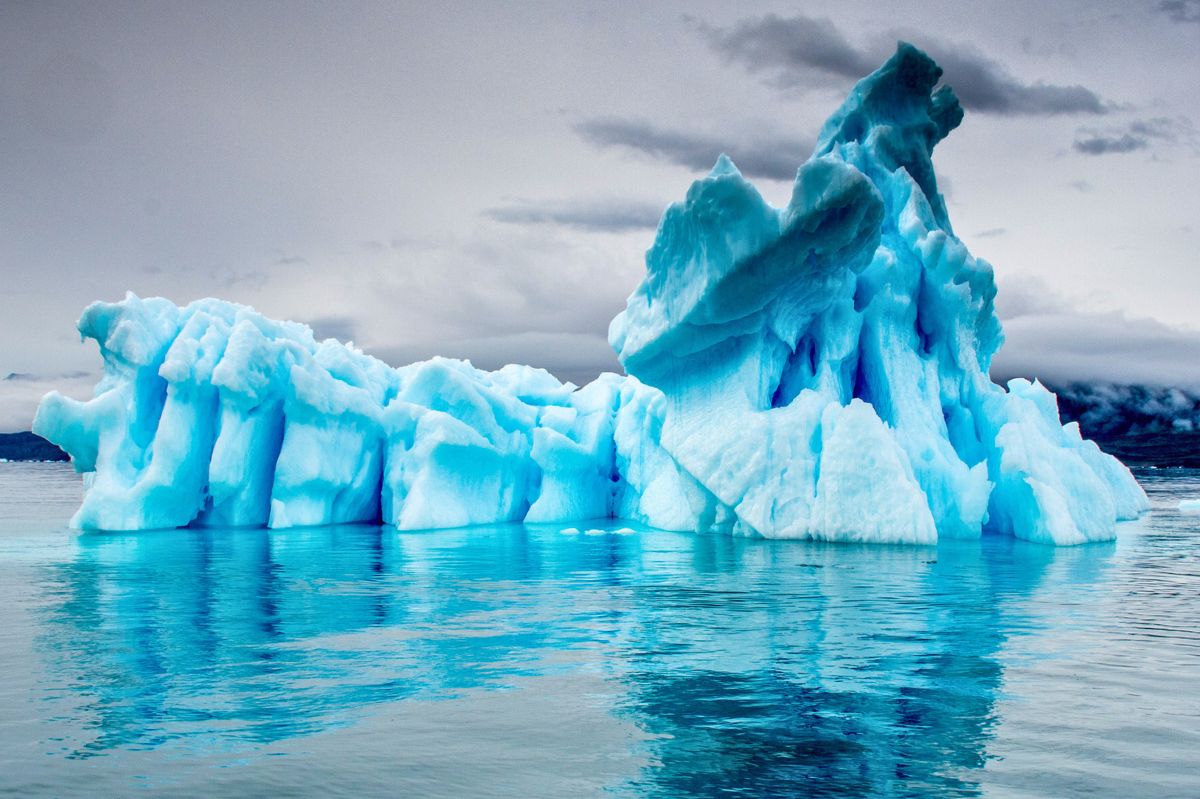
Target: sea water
(591, 659)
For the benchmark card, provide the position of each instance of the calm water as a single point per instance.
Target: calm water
(532, 661)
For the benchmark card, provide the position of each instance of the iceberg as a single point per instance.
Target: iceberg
(818, 371)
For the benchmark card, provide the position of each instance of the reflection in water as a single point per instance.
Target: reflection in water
(752, 667)
(845, 672)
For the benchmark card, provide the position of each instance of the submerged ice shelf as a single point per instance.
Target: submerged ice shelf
(816, 371)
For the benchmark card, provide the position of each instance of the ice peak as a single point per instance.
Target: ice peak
(724, 168)
(898, 114)
(899, 95)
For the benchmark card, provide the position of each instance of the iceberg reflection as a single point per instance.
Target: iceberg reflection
(748, 666)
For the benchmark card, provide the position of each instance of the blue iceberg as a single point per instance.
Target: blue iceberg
(816, 371)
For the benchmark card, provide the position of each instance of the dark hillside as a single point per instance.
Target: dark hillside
(28, 447)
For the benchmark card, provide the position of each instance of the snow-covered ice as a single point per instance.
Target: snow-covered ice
(813, 371)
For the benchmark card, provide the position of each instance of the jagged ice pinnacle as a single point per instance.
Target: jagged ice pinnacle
(817, 371)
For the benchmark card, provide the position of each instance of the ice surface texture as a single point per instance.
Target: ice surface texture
(816, 371)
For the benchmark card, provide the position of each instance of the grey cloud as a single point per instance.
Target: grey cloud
(986, 86)
(1137, 135)
(1073, 346)
(785, 46)
(1019, 297)
(498, 284)
(771, 158)
(1049, 337)
(534, 279)
(343, 328)
(1104, 145)
(1159, 128)
(1181, 10)
(590, 216)
(991, 233)
(21, 393)
(574, 357)
(799, 51)
(228, 278)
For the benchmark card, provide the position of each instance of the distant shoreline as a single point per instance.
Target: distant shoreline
(27, 446)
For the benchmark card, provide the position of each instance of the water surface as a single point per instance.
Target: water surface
(535, 661)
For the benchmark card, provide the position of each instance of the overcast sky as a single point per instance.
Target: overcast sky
(482, 179)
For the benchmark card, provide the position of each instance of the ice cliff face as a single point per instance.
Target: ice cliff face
(816, 371)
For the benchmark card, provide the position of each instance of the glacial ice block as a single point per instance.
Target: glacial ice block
(814, 371)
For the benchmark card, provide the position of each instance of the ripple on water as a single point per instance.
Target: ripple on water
(591, 658)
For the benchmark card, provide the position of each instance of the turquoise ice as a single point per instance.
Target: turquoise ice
(816, 371)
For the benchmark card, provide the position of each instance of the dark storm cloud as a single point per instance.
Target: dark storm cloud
(593, 217)
(799, 51)
(774, 159)
(1181, 10)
